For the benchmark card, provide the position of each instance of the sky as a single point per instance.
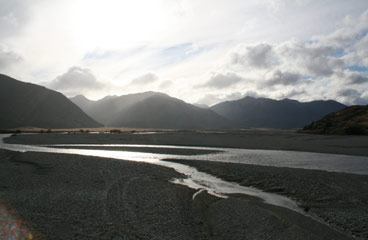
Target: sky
(201, 51)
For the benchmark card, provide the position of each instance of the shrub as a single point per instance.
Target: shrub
(115, 131)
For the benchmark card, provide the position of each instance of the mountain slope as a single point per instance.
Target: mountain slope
(29, 105)
(350, 120)
(151, 110)
(264, 112)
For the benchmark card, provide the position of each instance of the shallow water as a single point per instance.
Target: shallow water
(195, 179)
(277, 158)
(203, 181)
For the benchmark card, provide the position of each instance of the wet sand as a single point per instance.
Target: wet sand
(77, 197)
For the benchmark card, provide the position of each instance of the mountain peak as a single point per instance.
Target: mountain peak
(108, 97)
(153, 93)
(25, 104)
(265, 112)
(153, 110)
(80, 97)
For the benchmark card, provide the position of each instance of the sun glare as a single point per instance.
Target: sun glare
(112, 23)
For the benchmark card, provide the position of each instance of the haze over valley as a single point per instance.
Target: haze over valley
(29, 105)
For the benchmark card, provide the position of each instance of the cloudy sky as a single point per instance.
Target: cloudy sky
(202, 51)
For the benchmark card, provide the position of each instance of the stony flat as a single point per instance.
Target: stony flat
(61, 196)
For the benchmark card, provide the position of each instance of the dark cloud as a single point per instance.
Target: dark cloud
(322, 66)
(356, 78)
(76, 79)
(293, 93)
(220, 81)
(257, 56)
(283, 78)
(144, 79)
(352, 97)
(8, 58)
(348, 92)
(311, 60)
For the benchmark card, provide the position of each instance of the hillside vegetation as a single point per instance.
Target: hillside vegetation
(351, 120)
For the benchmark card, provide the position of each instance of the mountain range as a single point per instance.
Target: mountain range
(25, 104)
(150, 110)
(29, 105)
(265, 112)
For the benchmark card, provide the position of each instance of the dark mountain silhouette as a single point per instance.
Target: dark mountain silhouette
(29, 105)
(268, 113)
(350, 120)
(150, 110)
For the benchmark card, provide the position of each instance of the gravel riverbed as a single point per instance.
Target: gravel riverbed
(59, 196)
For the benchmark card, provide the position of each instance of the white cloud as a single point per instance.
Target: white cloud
(165, 84)
(358, 55)
(145, 79)
(13, 16)
(281, 44)
(75, 81)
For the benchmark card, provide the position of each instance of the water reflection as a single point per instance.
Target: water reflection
(195, 179)
(276, 158)
(199, 180)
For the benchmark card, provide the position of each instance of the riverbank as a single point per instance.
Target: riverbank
(249, 139)
(61, 196)
(72, 196)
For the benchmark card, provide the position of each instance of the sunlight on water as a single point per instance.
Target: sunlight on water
(195, 179)
(277, 158)
(203, 181)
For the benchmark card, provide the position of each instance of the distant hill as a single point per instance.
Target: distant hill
(29, 105)
(150, 110)
(268, 113)
(350, 120)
